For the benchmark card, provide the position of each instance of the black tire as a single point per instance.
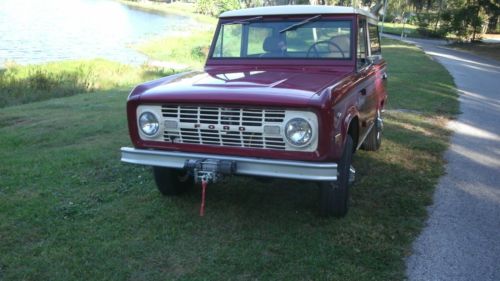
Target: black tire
(374, 138)
(171, 182)
(334, 196)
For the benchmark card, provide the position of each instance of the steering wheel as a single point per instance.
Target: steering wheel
(327, 42)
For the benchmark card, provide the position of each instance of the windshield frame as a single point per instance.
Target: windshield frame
(211, 60)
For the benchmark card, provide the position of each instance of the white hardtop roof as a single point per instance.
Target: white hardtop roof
(295, 10)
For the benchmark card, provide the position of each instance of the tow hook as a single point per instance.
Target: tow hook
(206, 171)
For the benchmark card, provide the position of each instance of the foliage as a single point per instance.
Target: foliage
(396, 9)
(464, 22)
(425, 23)
(397, 28)
(468, 15)
(179, 8)
(206, 7)
(252, 3)
(189, 50)
(24, 84)
(424, 20)
(216, 7)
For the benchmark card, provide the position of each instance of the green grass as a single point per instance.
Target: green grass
(397, 29)
(69, 210)
(424, 86)
(174, 49)
(24, 84)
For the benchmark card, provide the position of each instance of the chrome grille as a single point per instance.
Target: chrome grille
(223, 126)
(223, 115)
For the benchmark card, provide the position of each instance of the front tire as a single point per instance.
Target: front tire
(334, 196)
(171, 182)
(374, 138)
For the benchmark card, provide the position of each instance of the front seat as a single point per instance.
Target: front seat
(272, 48)
(344, 43)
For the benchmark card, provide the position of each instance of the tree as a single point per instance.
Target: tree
(466, 18)
(216, 7)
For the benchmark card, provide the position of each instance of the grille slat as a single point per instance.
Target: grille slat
(201, 117)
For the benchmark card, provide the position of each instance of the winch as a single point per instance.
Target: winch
(207, 171)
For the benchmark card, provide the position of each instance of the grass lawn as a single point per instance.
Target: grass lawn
(173, 49)
(490, 50)
(24, 84)
(69, 210)
(397, 29)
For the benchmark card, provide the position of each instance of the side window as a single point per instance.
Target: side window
(229, 41)
(361, 53)
(374, 39)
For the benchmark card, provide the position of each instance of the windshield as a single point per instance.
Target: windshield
(311, 38)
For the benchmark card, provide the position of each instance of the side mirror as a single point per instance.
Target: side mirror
(374, 59)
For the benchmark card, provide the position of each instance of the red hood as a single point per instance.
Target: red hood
(297, 86)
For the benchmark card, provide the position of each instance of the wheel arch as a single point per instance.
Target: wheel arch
(353, 131)
(351, 127)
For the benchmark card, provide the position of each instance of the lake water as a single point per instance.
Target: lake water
(36, 31)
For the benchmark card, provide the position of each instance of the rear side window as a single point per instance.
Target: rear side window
(374, 39)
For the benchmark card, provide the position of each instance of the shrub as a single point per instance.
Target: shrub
(200, 52)
(427, 20)
(465, 22)
(24, 84)
(216, 7)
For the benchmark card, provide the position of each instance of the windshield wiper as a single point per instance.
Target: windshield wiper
(295, 25)
(245, 21)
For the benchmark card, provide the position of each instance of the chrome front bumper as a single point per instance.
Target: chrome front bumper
(315, 171)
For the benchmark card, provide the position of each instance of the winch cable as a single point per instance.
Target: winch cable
(208, 171)
(204, 184)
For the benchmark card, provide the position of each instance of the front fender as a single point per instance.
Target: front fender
(352, 114)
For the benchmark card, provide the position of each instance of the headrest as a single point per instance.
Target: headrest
(271, 45)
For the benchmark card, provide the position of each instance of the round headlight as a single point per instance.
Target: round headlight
(298, 132)
(149, 123)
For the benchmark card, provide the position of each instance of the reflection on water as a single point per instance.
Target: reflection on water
(35, 31)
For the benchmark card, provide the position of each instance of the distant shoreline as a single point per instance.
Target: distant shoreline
(197, 38)
(171, 51)
(181, 9)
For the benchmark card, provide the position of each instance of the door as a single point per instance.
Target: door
(366, 76)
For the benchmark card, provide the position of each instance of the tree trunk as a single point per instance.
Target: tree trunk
(492, 23)
(475, 27)
(439, 15)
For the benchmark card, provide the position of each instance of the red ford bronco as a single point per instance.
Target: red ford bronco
(286, 92)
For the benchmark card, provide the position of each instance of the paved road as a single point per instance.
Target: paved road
(461, 240)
